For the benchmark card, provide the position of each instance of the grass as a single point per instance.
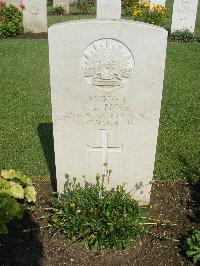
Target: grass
(179, 132)
(26, 109)
(25, 103)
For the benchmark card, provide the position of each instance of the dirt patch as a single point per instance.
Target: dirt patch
(73, 14)
(28, 35)
(57, 15)
(30, 242)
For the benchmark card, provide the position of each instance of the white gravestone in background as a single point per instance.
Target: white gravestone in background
(184, 15)
(144, 1)
(158, 2)
(35, 16)
(108, 9)
(106, 82)
(13, 2)
(63, 3)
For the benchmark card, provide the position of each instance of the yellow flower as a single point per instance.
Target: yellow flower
(146, 5)
(72, 204)
(137, 13)
(93, 210)
(98, 175)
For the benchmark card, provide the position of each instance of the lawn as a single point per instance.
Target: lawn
(26, 129)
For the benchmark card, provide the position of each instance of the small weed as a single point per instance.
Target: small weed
(58, 10)
(192, 245)
(183, 36)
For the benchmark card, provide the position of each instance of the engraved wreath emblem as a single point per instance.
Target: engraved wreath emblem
(107, 64)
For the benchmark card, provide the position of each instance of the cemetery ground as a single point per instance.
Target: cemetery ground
(26, 143)
(31, 243)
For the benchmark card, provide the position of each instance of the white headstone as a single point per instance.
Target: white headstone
(184, 15)
(106, 81)
(144, 1)
(63, 3)
(35, 16)
(158, 2)
(13, 2)
(108, 9)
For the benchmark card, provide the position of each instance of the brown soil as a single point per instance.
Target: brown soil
(79, 15)
(30, 242)
(57, 15)
(30, 35)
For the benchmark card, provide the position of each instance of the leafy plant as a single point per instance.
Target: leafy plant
(183, 36)
(127, 5)
(10, 209)
(58, 10)
(84, 5)
(192, 245)
(10, 20)
(17, 185)
(146, 12)
(14, 187)
(96, 217)
(49, 2)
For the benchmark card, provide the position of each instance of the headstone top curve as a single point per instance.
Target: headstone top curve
(92, 21)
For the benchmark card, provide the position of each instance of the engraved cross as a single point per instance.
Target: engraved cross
(105, 149)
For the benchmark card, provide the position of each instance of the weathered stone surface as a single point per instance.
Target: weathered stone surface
(63, 3)
(108, 9)
(158, 2)
(13, 2)
(144, 1)
(106, 81)
(184, 15)
(35, 16)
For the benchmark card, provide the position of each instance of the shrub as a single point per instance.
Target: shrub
(146, 12)
(84, 5)
(183, 36)
(96, 217)
(153, 14)
(58, 10)
(10, 20)
(127, 5)
(10, 209)
(192, 246)
(14, 187)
